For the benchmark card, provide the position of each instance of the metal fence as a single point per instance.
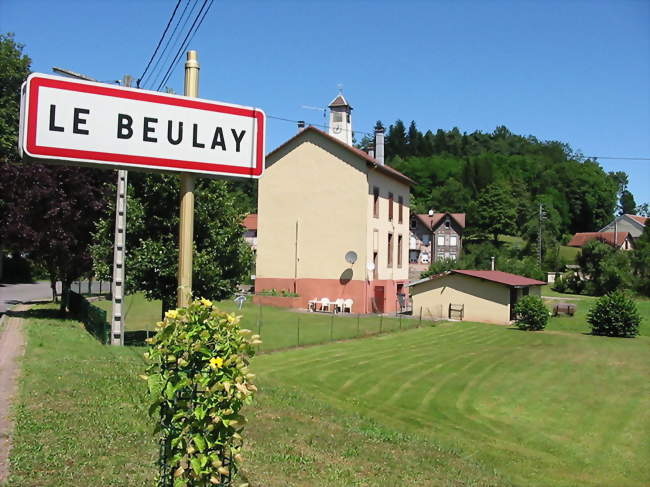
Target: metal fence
(93, 318)
(313, 328)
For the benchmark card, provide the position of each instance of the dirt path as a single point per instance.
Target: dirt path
(12, 346)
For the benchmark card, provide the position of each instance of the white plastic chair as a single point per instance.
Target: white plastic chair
(338, 305)
(325, 304)
(347, 305)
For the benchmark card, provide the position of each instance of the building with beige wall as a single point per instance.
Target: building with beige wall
(472, 295)
(321, 199)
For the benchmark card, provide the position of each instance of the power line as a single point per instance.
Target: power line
(171, 40)
(159, 42)
(187, 39)
(621, 158)
(316, 124)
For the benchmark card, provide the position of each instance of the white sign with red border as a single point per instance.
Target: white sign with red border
(94, 124)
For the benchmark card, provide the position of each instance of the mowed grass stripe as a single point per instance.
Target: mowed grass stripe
(515, 400)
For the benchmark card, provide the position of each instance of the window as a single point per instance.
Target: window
(452, 256)
(375, 261)
(441, 240)
(447, 224)
(425, 239)
(399, 251)
(375, 201)
(390, 206)
(338, 116)
(400, 209)
(413, 223)
(453, 241)
(390, 250)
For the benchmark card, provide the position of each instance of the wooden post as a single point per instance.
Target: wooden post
(186, 226)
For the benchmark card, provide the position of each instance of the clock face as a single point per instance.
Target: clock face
(336, 129)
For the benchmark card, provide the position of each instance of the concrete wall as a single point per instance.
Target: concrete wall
(379, 228)
(484, 301)
(325, 197)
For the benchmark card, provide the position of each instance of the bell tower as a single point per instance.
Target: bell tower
(341, 119)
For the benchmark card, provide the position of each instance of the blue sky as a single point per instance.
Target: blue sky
(575, 71)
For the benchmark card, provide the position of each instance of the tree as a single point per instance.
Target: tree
(396, 141)
(14, 68)
(47, 212)
(494, 212)
(414, 141)
(627, 203)
(221, 260)
(50, 214)
(606, 268)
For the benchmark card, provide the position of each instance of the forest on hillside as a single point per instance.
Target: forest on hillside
(501, 178)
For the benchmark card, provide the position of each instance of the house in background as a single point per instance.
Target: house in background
(250, 231)
(633, 224)
(472, 295)
(435, 237)
(333, 221)
(619, 240)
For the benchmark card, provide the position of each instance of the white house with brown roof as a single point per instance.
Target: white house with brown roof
(250, 230)
(333, 221)
(634, 224)
(618, 240)
(472, 295)
(435, 237)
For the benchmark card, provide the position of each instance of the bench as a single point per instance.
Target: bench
(456, 308)
(566, 308)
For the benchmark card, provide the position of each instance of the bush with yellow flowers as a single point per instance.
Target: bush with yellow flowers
(199, 380)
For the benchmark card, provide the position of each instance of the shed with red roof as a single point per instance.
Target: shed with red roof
(472, 295)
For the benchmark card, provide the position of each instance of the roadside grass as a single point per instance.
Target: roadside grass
(281, 328)
(81, 415)
(81, 420)
(539, 408)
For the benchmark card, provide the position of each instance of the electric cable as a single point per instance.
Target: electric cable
(159, 42)
(187, 39)
(154, 75)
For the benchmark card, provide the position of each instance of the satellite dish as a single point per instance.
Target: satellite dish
(351, 257)
(370, 266)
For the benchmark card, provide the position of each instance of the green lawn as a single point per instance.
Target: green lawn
(281, 328)
(560, 409)
(455, 404)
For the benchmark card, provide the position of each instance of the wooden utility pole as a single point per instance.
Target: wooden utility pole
(186, 226)
(119, 252)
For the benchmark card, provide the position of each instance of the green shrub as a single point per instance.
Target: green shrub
(531, 313)
(614, 315)
(199, 380)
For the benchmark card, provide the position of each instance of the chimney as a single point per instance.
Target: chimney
(492, 262)
(371, 151)
(379, 146)
(301, 125)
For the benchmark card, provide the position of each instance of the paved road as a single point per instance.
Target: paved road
(11, 294)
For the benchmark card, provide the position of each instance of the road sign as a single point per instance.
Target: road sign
(94, 124)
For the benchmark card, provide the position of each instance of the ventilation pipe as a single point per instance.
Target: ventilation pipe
(301, 125)
(379, 146)
(492, 258)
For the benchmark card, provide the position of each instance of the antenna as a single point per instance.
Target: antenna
(320, 109)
